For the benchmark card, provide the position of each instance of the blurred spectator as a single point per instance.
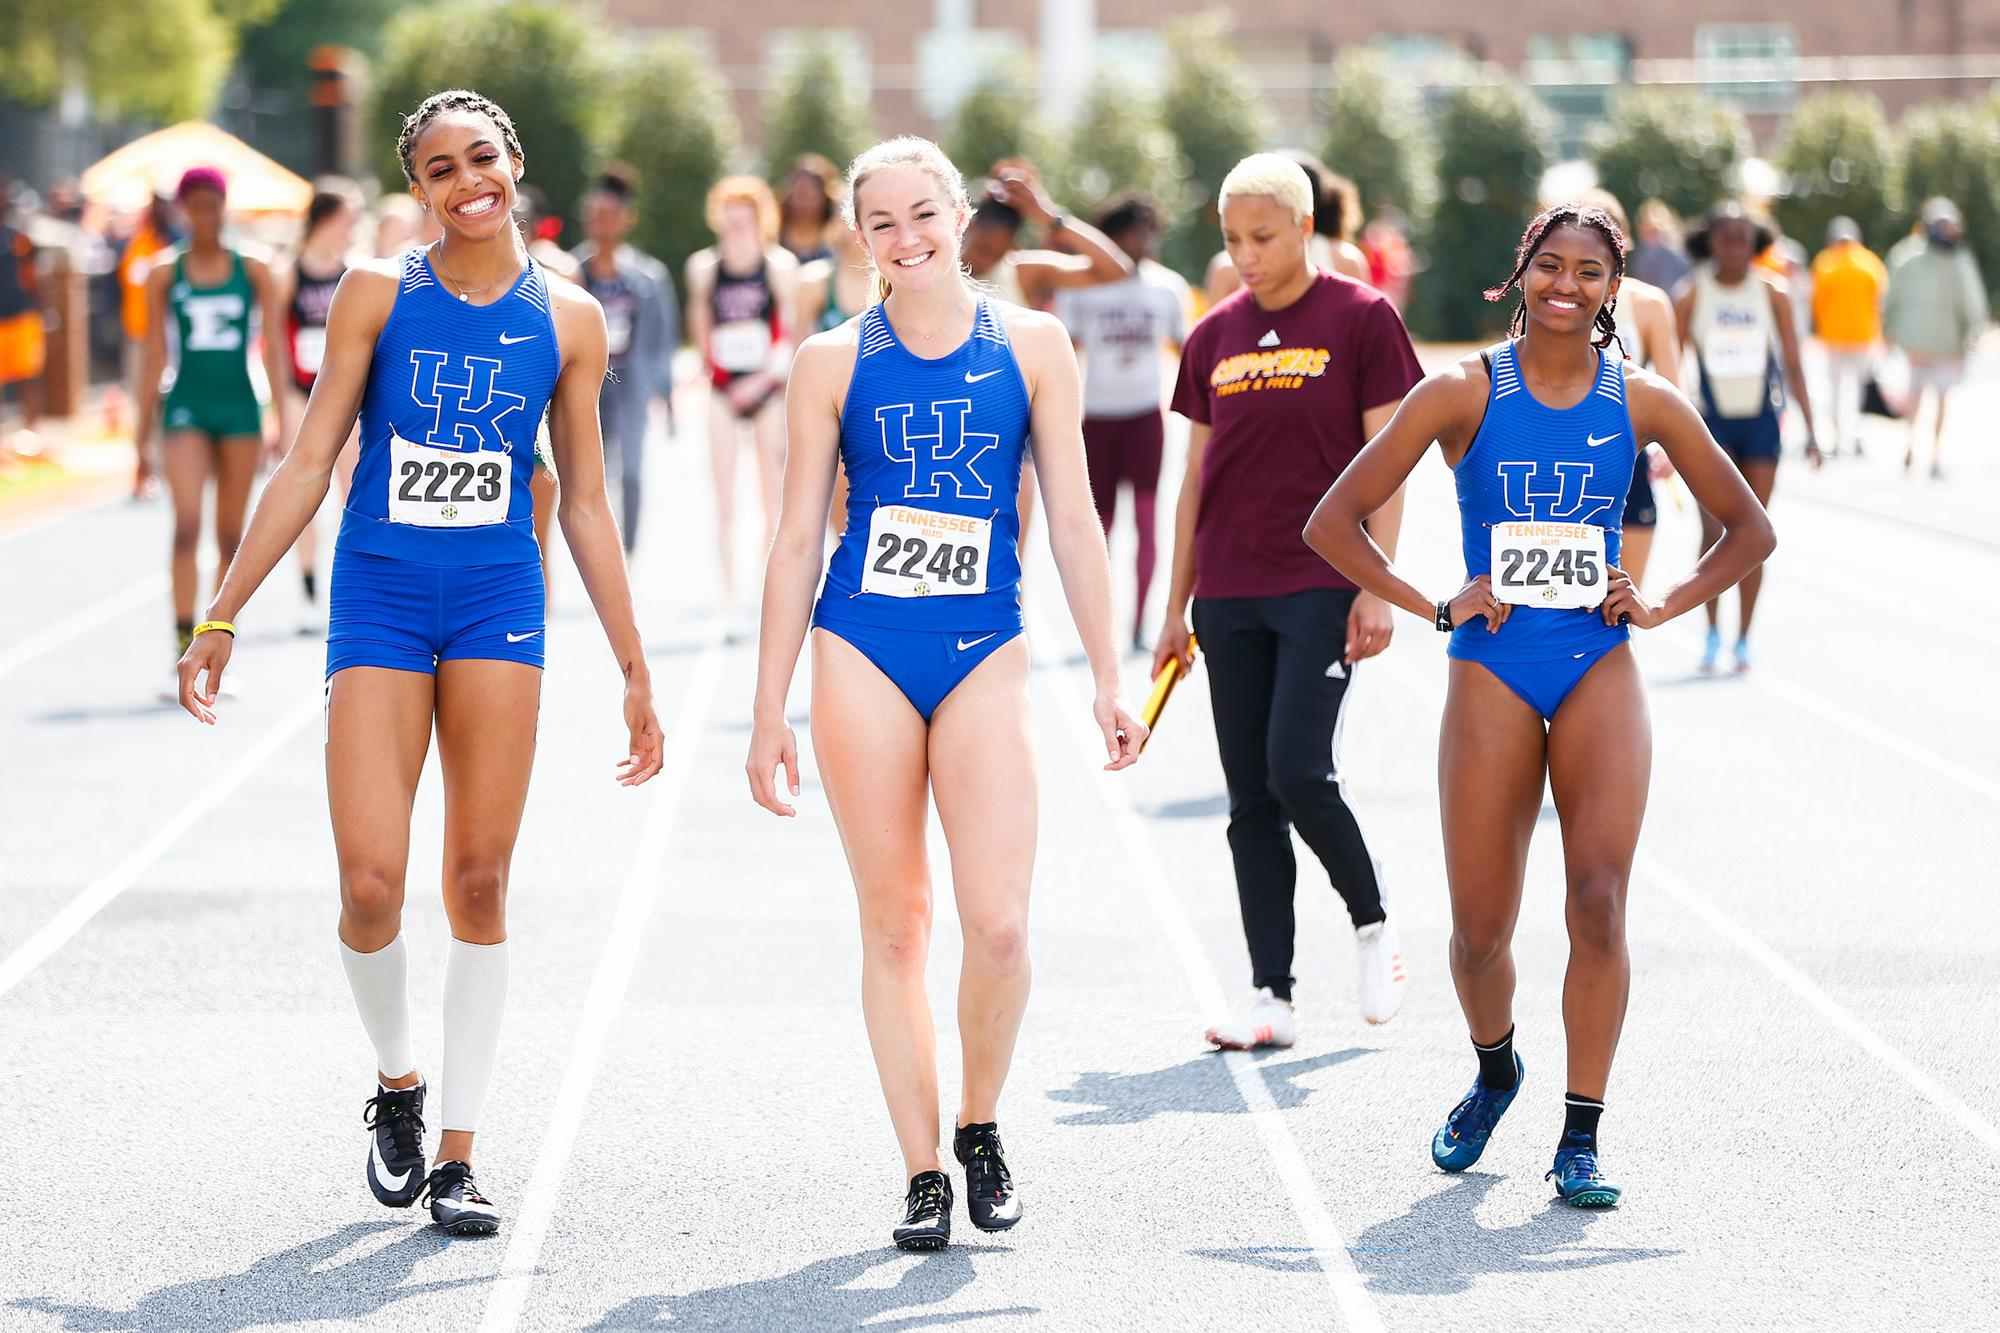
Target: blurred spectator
(541, 231)
(1076, 254)
(642, 325)
(1122, 327)
(1786, 260)
(811, 198)
(158, 230)
(398, 222)
(22, 346)
(1391, 263)
(1848, 284)
(1658, 256)
(1936, 308)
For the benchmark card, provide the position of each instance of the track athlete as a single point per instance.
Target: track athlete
(451, 353)
(1543, 431)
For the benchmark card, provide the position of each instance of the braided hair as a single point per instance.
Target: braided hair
(1586, 218)
(453, 99)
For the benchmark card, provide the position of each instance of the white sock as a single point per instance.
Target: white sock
(475, 994)
(379, 981)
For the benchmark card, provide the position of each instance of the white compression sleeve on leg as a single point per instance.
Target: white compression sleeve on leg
(475, 994)
(379, 981)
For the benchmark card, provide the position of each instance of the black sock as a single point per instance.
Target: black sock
(1580, 1115)
(311, 582)
(184, 632)
(1496, 1064)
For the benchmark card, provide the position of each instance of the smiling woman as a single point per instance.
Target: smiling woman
(920, 671)
(450, 354)
(1543, 431)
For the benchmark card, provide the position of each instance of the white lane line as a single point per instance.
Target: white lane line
(1829, 1008)
(1794, 979)
(76, 914)
(1875, 733)
(1924, 525)
(601, 1006)
(1322, 1233)
(31, 526)
(82, 622)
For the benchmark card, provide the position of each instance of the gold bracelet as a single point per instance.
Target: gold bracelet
(207, 625)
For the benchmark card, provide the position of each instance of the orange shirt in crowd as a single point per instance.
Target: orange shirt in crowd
(1848, 285)
(132, 268)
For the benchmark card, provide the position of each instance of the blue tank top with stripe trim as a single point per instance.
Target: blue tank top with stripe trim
(455, 394)
(1531, 462)
(945, 435)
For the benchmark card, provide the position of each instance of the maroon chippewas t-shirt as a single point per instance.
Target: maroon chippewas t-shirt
(1282, 392)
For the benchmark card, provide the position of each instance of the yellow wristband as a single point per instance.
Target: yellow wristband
(207, 625)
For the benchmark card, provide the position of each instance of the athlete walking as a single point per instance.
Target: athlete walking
(1121, 327)
(642, 321)
(920, 672)
(1543, 431)
(325, 250)
(1282, 383)
(739, 293)
(1336, 223)
(1740, 324)
(211, 424)
(450, 353)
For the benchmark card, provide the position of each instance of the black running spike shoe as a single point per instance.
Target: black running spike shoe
(456, 1203)
(990, 1200)
(396, 1144)
(926, 1223)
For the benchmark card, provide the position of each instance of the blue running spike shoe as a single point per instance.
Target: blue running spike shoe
(1711, 649)
(1463, 1137)
(1578, 1179)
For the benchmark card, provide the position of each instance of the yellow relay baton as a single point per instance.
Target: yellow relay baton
(1163, 689)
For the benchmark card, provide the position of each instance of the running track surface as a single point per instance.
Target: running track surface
(686, 1130)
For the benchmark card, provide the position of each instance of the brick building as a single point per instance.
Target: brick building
(915, 56)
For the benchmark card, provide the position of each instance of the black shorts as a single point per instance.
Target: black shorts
(1641, 509)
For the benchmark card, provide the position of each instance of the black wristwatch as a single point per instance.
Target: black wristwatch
(1443, 617)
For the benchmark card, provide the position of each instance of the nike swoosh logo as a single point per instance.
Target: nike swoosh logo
(1593, 441)
(389, 1182)
(971, 378)
(516, 638)
(963, 645)
(505, 341)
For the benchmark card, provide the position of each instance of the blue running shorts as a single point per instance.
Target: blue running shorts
(384, 612)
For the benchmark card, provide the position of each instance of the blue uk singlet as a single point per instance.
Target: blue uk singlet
(1534, 463)
(455, 393)
(933, 453)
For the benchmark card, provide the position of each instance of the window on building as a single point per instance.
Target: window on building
(1136, 57)
(1573, 74)
(950, 61)
(1748, 64)
(782, 45)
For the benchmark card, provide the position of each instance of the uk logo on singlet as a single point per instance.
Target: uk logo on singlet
(1556, 493)
(468, 409)
(938, 448)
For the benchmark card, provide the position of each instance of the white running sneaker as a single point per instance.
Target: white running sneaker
(1269, 1021)
(1383, 978)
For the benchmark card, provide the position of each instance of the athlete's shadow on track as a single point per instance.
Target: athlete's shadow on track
(1201, 1086)
(1439, 1248)
(821, 1296)
(290, 1287)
